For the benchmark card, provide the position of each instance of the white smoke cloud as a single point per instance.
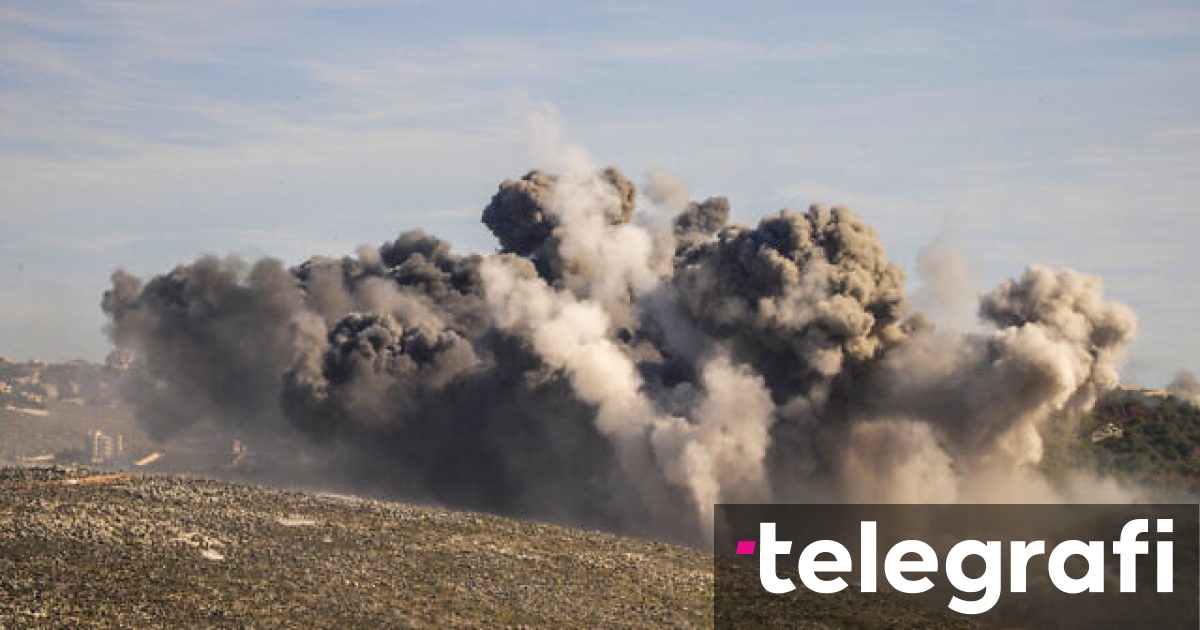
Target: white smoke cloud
(1185, 387)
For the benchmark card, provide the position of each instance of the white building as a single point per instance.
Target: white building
(105, 449)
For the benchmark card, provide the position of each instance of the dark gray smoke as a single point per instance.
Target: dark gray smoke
(621, 374)
(700, 220)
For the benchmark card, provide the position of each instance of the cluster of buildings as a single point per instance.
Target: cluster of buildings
(43, 390)
(1110, 431)
(25, 391)
(32, 385)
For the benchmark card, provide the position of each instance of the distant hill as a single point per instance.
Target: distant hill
(1148, 436)
(31, 385)
(70, 413)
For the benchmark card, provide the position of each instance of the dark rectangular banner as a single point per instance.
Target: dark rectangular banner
(1007, 566)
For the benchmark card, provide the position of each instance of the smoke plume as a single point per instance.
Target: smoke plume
(1185, 387)
(624, 373)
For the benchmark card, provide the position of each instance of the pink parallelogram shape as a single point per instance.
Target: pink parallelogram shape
(745, 547)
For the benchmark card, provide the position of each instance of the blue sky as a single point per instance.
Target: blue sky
(142, 134)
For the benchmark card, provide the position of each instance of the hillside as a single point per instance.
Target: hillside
(1141, 435)
(167, 550)
(80, 549)
(85, 550)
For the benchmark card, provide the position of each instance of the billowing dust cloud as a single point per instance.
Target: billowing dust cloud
(626, 370)
(1185, 387)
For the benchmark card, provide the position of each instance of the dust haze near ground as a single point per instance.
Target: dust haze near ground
(626, 360)
(1186, 387)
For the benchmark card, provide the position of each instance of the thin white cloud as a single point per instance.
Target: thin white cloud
(689, 49)
(900, 41)
(93, 242)
(810, 192)
(292, 246)
(228, 118)
(1088, 23)
(451, 213)
(1185, 135)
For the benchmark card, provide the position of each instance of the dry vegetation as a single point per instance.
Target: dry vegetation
(79, 549)
(172, 551)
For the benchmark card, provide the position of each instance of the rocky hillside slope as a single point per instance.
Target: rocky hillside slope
(83, 549)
